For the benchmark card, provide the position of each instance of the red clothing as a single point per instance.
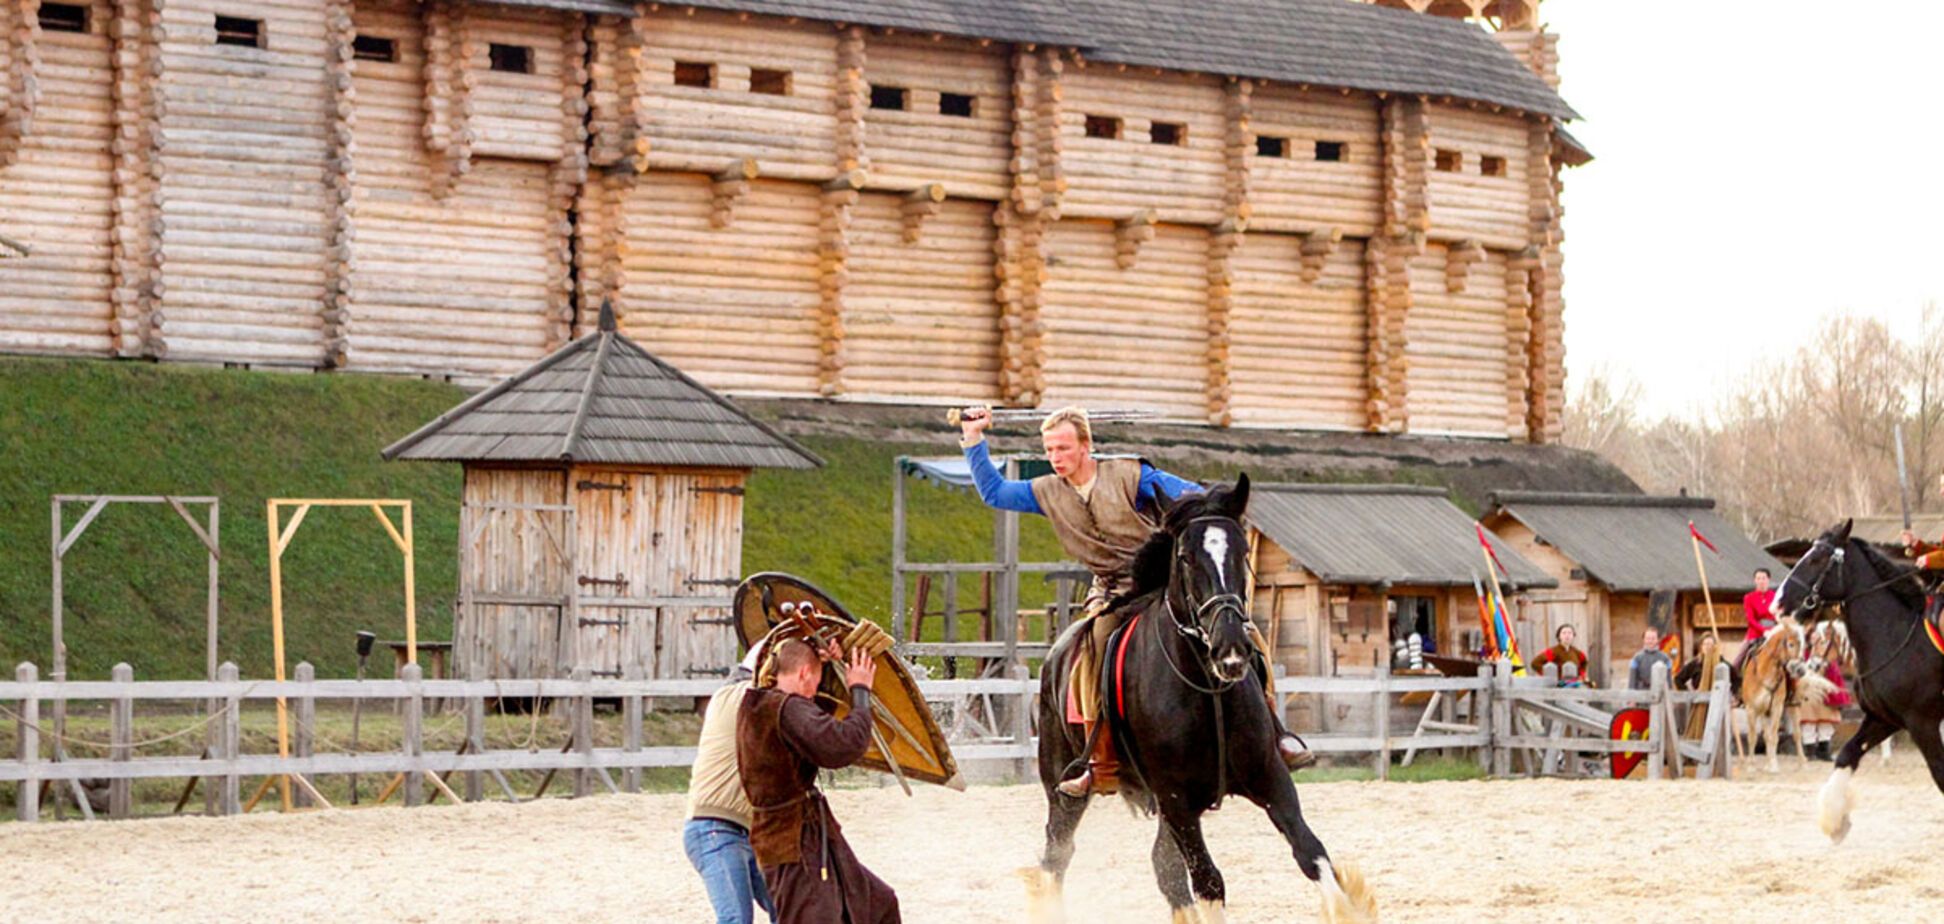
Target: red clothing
(1561, 655)
(1755, 608)
(1841, 697)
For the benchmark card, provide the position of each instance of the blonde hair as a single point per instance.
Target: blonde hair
(1077, 416)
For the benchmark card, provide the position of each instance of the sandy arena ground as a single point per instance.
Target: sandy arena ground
(1544, 850)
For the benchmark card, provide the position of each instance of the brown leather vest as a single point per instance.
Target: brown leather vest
(779, 783)
(1104, 531)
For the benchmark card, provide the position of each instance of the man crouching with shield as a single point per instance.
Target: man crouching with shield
(782, 738)
(1102, 511)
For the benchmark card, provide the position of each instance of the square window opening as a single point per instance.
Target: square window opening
(1271, 146)
(958, 105)
(510, 59)
(63, 17)
(896, 98)
(1169, 133)
(1449, 161)
(375, 48)
(1099, 126)
(236, 30)
(769, 82)
(695, 74)
(1332, 151)
(1491, 165)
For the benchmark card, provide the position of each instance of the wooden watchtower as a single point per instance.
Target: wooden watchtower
(602, 518)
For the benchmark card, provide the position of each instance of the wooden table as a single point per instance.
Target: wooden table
(434, 666)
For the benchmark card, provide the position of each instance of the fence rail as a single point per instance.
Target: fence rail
(1529, 721)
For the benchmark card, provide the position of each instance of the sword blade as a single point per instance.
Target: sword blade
(1903, 479)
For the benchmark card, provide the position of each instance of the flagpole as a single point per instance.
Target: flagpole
(1498, 596)
(1707, 598)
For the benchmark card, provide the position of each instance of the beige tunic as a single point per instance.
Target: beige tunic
(1103, 529)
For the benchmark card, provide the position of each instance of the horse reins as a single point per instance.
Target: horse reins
(1815, 601)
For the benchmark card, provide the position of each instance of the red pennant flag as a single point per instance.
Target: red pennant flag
(1701, 539)
(1489, 552)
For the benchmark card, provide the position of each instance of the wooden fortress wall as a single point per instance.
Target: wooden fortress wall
(778, 207)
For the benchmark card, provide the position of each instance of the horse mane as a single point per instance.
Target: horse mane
(1910, 592)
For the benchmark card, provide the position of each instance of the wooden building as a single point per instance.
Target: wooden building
(1623, 561)
(1344, 570)
(1312, 214)
(602, 518)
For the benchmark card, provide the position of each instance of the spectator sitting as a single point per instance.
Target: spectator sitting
(1640, 672)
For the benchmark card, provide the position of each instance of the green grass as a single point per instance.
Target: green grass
(135, 581)
(1423, 770)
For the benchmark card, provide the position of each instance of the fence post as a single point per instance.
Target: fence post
(1554, 728)
(413, 676)
(631, 740)
(27, 799)
(1721, 715)
(583, 726)
(1382, 713)
(1656, 724)
(1481, 715)
(1501, 718)
(231, 740)
(475, 729)
(1022, 724)
(121, 721)
(306, 743)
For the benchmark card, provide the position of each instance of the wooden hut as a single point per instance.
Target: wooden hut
(1344, 570)
(1307, 215)
(1623, 561)
(602, 518)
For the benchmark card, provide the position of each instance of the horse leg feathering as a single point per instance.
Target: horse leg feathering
(1044, 902)
(1833, 805)
(1346, 897)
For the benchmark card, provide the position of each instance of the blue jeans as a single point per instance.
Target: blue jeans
(720, 851)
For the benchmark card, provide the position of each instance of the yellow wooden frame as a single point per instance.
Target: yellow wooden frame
(280, 536)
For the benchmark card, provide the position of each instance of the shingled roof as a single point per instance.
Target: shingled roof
(1364, 534)
(1335, 43)
(1634, 543)
(602, 399)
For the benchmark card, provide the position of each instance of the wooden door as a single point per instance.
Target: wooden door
(616, 623)
(698, 546)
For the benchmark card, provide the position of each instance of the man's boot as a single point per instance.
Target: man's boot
(1102, 776)
(1294, 755)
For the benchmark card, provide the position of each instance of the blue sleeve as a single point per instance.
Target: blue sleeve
(995, 489)
(1154, 479)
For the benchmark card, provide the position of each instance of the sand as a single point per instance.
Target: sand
(1746, 850)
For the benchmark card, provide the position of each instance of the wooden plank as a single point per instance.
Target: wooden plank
(27, 736)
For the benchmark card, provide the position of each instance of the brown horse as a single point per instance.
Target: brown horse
(1765, 688)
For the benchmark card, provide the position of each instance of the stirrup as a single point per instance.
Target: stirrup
(1298, 759)
(1080, 786)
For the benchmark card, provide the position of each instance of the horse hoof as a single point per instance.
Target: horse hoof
(1184, 916)
(1211, 912)
(1834, 805)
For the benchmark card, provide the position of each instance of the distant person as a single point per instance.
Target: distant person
(1640, 671)
(1758, 610)
(783, 737)
(1571, 660)
(716, 836)
(1689, 677)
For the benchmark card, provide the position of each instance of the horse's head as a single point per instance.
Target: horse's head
(1208, 575)
(1819, 577)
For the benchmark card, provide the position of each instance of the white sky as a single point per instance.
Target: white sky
(1759, 165)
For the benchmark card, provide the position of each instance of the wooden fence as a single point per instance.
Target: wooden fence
(1526, 721)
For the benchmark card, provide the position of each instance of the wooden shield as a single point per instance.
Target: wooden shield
(905, 723)
(1628, 725)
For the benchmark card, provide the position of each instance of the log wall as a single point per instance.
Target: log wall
(772, 232)
(919, 145)
(449, 276)
(1117, 177)
(1299, 345)
(1465, 203)
(1299, 192)
(57, 184)
(1134, 335)
(1455, 353)
(734, 306)
(244, 186)
(704, 129)
(922, 323)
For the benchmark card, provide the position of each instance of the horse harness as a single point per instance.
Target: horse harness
(1814, 601)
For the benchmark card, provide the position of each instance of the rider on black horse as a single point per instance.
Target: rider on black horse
(1102, 511)
(1929, 560)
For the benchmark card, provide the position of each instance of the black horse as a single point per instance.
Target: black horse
(1899, 674)
(1189, 719)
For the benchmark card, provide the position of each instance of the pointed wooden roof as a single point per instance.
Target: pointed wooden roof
(602, 399)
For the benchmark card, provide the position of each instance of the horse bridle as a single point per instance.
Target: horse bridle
(1200, 629)
(1815, 599)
